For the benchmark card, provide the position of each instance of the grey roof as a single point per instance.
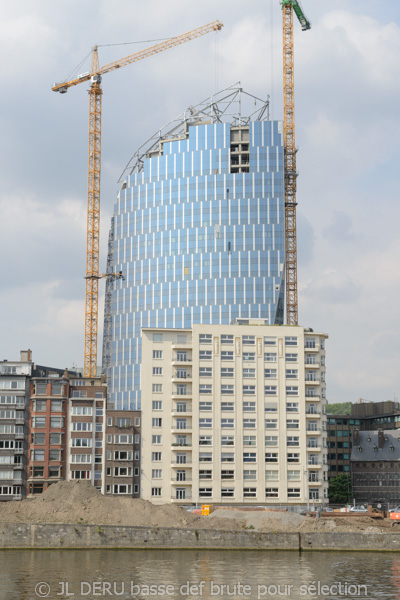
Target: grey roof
(368, 446)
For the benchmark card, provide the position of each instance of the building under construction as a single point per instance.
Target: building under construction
(198, 231)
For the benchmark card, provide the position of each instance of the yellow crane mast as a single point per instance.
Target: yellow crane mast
(288, 6)
(93, 203)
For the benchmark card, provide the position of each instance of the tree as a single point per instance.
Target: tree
(339, 490)
(340, 408)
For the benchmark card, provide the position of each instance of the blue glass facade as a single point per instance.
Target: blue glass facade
(199, 237)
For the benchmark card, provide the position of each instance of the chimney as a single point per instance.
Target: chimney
(381, 438)
(26, 355)
(356, 437)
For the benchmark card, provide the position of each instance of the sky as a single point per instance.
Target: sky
(347, 93)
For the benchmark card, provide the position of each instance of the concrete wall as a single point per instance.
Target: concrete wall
(92, 536)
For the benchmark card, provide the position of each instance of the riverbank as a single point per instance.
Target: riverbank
(67, 536)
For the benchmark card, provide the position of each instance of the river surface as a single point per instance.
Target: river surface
(197, 575)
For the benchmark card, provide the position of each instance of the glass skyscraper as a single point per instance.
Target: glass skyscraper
(198, 231)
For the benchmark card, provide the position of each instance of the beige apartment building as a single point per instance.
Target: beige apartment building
(234, 414)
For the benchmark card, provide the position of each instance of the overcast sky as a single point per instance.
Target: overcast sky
(347, 131)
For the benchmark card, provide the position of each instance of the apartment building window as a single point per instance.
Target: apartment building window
(157, 354)
(156, 439)
(56, 406)
(156, 473)
(35, 472)
(182, 373)
(293, 440)
(271, 407)
(269, 341)
(249, 373)
(226, 355)
(270, 390)
(156, 456)
(55, 439)
(293, 475)
(270, 357)
(205, 456)
(9, 444)
(156, 422)
(40, 405)
(137, 421)
(250, 492)
(292, 390)
(249, 423)
(248, 340)
(271, 440)
(155, 492)
(310, 343)
(292, 374)
(206, 354)
(39, 422)
(227, 492)
(181, 423)
(205, 440)
(271, 457)
(58, 422)
(76, 426)
(156, 405)
(292, 407)
(37, 438)
(157, 370)
(205, 423)
(157, 337)
(181, 356)
(292, 424)
(98, 394)
(123, 489)
(82, 411)
(7, 414)
(41, 388)
(290, 341)
(205, 492)
(56, 455)
(227, 457)
(290, 357)
(181, 389)
(81, 442)
(249, 406)
(181, 476)
(205, 474)
(249, 390)
(205, 371)
(80, 474)
(122, 455)
(79, 394)
(226, 339)
(293, 492)
(227, 423)
(227, 440)
(311, 376)
(271, 492)
(249, 440)
(249, 457)
(249, 356)
(271, 423)
(311, 359)
(270, 373)
(205, 388)
(205, 338)
(7, 429)
(271, 475)
(227, 390)
(157, 388)
(81, 458)
(205, 406)
(293, 457)
(227, 372)
(227, 406)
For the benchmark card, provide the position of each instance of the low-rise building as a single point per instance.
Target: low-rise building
(234, 413)
(375, 467)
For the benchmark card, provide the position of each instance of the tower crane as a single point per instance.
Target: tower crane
(93, 196)
(288, 6)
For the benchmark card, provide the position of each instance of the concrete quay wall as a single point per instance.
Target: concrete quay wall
(37, 536)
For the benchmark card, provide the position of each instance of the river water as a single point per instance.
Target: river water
(197, 575)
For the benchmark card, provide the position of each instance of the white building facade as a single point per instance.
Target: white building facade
(234, 414)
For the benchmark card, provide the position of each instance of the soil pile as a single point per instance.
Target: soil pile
(80, 502)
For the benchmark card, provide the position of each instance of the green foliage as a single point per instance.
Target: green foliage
(340, 408)
(340, 490)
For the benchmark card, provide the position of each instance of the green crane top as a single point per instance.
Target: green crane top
(304, 22)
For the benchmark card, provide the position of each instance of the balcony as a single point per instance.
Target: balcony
(315, 465)
(313, 448)
(179, 396)
(187, 481)
(187, 497)
(180, 465)
(179, 412)
(312, 365)
(178, 378)
(18, 451)
(178, 446)
(177, 429)
(313, 412)
(19, 435)
(182, 361)
(183, 345)
(311, 397)
(310, 347)
(312, 381)
(316, 432)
